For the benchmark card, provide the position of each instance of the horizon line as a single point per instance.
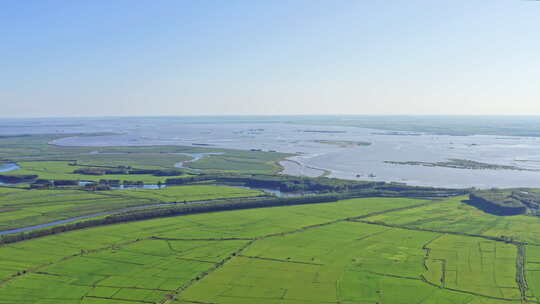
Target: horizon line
(272, 115)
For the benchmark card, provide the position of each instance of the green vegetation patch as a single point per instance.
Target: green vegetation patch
(343, 143)
(27, 148)
(473, 264)
(62, 170)
(143, 160)
(240, 161)
(249, 223)
(454, 215)
(142, 271)
(455, 163)
(338, 263)
(20, 208)
(316, 253)
(533, 272)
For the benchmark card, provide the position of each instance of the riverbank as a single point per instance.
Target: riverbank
(296, 168)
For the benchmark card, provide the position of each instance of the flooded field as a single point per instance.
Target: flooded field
(344, 152)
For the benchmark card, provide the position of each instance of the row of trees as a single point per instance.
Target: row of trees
(18, 179)
(316, 185)
(171, 211)
(235, 204)
(495, 205)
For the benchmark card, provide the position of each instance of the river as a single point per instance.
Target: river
(319, 149)
(6, 167)
(104, 213)
(269, 192)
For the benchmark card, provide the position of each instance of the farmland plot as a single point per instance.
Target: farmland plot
(338, 263)
(145, 271)
(474, 265)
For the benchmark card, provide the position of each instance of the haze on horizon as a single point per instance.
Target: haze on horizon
(110, 58)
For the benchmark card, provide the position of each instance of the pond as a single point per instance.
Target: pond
(127, 187)
(269, 191)
(6, 167)
(276, 192)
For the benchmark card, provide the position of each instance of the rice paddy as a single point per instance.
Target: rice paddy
(338, 252)
(19, 208)
(453, 215)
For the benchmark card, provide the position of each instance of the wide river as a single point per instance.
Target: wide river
(313, 157)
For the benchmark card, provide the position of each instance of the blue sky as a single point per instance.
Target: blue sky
(94, 58)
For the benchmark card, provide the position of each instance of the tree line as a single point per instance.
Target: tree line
(232, 204)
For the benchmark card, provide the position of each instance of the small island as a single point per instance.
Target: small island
(324, 131)
(456, 163)
(343, 143)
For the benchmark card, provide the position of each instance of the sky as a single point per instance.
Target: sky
(229, 57)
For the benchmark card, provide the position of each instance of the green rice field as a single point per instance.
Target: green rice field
(455, 216)
(61, 170)
(533, 272)
(339, 252)
(20, 207)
